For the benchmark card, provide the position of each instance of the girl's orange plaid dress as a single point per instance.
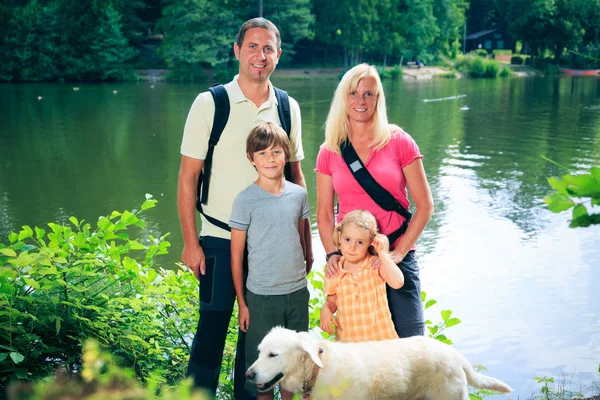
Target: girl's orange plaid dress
(362, 313)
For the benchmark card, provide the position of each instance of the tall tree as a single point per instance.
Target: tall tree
(350, 24)
(34, 49)
(450, 18)
(197, 33)
(111, 52)
(418, 17)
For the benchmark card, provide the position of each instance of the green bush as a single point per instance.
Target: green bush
(578, 191)
(80, 281)
(478, 67)
(463, 64)
(506, 72)
(481, 53)
(492, 67)
(100, 377)
(396, 72)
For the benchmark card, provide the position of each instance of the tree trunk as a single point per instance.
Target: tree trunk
(384, 60)
(345, 58)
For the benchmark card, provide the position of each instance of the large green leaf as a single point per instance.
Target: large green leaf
(8, 252)
(558, 202)
(17, 357)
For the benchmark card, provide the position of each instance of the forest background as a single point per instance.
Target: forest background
(106, 40)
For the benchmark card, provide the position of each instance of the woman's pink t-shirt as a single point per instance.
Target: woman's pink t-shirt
(385, 166)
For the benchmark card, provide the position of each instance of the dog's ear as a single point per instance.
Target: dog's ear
(311, 347)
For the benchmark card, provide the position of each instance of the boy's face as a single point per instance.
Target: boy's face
(269, 162)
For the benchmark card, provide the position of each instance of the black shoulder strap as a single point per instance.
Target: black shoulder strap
(382, 197)
(285, 118)
(220, 119)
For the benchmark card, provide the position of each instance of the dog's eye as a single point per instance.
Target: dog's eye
(272, 355)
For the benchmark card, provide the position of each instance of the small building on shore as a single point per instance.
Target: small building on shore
(491, 39)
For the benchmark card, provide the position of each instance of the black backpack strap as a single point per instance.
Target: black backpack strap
(283, 109)
(285, 118)
(382, 197)
(220, 119)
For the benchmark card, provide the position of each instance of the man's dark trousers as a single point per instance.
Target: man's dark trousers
(217, 296)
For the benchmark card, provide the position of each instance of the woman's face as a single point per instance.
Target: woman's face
(362, 101)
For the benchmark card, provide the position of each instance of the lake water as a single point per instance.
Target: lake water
(523, 283)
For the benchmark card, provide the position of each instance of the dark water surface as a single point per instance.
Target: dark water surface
(523, 283)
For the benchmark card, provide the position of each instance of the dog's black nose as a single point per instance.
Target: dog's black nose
(250, 375)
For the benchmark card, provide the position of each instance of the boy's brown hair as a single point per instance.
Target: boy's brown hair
(266, 135)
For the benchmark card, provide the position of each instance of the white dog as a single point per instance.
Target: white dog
(413, 368)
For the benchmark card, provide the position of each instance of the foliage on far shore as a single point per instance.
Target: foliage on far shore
(481, 67)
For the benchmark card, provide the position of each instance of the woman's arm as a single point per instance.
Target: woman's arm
(416, 181)
(326, 221)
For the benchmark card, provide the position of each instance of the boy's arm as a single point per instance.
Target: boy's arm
(298, 179)
(238, 243)
(301, 233)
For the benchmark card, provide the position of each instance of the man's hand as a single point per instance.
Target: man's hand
(244, 317)
(327, 319)
(332, 268)
(193, 257)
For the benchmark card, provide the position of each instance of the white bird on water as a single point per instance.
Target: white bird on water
(464, 108)
(114, 92)
(40, 97)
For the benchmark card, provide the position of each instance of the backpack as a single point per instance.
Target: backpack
(219, 122)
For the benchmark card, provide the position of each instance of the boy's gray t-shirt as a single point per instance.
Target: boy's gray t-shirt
(275, 259)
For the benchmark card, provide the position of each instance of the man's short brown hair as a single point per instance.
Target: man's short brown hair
(258, 23)
(266, 135)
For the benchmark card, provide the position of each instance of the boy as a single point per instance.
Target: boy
(269, 215)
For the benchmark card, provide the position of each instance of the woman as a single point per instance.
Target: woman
(392, 157)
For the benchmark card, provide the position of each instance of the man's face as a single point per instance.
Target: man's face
(258, 54)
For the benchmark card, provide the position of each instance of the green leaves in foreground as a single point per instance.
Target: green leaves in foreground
(578, 191)
(66, 283)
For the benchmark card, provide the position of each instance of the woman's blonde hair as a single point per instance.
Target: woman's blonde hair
(337, 126)
(362, 219)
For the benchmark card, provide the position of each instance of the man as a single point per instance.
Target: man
(252, 101)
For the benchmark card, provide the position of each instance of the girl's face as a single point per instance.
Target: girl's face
(354, 242)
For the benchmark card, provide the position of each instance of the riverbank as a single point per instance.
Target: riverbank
(157, 75)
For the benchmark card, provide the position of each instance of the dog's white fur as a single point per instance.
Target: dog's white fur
(413, 368)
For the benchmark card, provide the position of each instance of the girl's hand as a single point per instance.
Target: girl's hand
(381, 244)
(332, 267)
(244, 317)
(327, 319)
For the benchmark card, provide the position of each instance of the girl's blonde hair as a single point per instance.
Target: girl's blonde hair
(362, 219)
(337, 126)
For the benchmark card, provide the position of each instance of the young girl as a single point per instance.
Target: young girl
(357, 295)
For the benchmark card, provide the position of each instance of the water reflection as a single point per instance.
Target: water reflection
(521, 280)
